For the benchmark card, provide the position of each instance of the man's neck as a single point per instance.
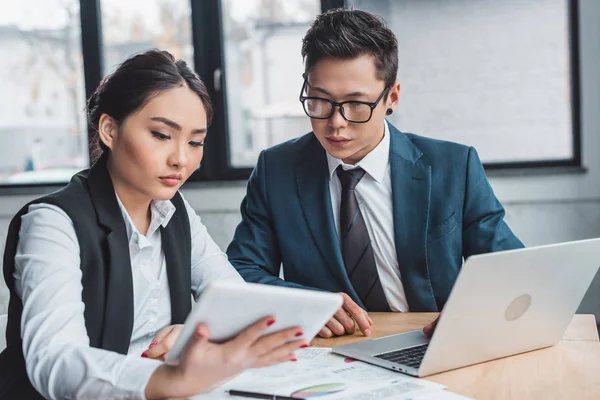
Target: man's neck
(359, 155)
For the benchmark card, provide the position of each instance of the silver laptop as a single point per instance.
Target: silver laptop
(502, 304)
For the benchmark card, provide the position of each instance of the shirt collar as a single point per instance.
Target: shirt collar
(375, 163)
(161, 212)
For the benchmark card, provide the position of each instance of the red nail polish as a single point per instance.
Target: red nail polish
(144, 355)
(270, 322)
(304, 346)
(299, 334)
(293, 359)
(153, 344)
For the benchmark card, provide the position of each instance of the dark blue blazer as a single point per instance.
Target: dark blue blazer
(444, 211)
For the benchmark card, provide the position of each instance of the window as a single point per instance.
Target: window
(42, 123)
(132, 26)
(263, 67)
(493, 74)
(501, 75)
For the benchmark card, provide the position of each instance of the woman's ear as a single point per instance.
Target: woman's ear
(107, 130)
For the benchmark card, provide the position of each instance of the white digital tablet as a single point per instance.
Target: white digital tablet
(227, 308)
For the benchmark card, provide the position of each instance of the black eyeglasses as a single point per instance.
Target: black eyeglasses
(353, 111)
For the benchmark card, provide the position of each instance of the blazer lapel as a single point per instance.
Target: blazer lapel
(312, 182)
(411, 186)
(118, 311)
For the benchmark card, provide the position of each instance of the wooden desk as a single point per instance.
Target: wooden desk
(569, 370)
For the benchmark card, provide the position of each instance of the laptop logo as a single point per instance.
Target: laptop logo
(517, 307)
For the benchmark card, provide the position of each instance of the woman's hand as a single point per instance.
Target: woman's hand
(204, 364)
(163, 342)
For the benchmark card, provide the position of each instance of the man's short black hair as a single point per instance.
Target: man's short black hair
(347, 34)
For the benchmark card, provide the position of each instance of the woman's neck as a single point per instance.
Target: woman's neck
(136, 204)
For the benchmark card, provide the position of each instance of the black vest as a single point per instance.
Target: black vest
(90, 201)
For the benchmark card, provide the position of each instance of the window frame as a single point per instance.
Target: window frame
(216, 162)
(209, 61)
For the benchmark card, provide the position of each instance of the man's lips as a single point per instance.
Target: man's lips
(337, 141)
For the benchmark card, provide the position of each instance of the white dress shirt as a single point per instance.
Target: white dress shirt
(60, 362)
(374, 196)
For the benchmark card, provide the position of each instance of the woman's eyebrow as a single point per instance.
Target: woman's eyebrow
(175, 125)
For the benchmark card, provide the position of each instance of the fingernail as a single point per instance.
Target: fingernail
(299, 334)
(144, 355)
(270, 322)
(304, 346)
(293, 359)
(367, 332)
(153, 344)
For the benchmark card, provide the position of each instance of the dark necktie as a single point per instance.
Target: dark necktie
(356, 245)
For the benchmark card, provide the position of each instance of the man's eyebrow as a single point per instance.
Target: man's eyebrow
(356, 93)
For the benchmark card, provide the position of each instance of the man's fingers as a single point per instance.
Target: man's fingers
(360, 316)
(346, 320)
(429, 329)
(335, 327)
(325, 332)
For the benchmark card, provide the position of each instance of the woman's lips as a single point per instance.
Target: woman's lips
(170, 181)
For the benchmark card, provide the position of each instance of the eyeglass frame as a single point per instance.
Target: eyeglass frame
(340, 104)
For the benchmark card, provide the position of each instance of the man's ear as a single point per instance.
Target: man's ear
(107, 130)
(393, 97)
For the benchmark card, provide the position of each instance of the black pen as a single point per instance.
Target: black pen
(255, 395)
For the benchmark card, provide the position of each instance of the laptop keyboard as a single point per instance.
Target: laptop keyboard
(410, 357)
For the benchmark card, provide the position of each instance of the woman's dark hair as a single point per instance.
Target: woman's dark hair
(347, 34)
(136, 81)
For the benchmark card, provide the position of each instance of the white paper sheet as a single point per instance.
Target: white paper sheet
(320, 373)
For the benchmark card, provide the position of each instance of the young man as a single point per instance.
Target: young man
(356, 206)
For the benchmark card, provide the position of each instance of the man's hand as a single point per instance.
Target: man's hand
(429, 329)
(345, 320)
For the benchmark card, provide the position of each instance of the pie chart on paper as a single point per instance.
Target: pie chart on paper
(318, 390)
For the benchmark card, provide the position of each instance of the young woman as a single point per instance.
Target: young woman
(99, 268)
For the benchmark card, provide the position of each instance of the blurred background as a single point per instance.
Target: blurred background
(517, 79)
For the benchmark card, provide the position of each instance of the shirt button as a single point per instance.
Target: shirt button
(156, 293)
